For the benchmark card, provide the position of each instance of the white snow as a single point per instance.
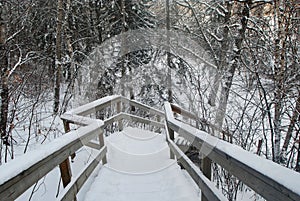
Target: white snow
(92, 105)
(145, 174)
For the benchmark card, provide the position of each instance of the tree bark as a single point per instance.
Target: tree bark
(230, 73)
(298, 157)
(223, 58)
(169, 73)
(281, 26)
(291, 127)
(58, 63)
(4, 82)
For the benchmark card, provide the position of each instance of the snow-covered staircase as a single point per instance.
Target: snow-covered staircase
(140, 165)
(139, 168)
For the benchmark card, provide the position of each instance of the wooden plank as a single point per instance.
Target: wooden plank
(142, 120)
(113, 119)
(183, 112)
(16, 185)
(144, 107)
(74, 187)
(93, 145)
(78, 120)
(206, 186)
(95, 106)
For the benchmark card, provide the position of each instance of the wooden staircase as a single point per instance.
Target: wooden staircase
(143, 156)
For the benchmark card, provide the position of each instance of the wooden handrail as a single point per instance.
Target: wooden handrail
(206, 186)
(185, 113)
(256, 172)
(20, 177)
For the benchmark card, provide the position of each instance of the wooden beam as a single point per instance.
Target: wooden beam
(144, 107)
(101, 144)
(93, 145)
(183, 112)
(142, 120)
(119, 110)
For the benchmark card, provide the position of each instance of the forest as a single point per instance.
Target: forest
(233, 63)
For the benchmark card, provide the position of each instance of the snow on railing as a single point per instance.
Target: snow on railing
(270, 180)
(22, 173)
(28, 169)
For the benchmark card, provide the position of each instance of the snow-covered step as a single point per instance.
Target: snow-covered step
(139, 168)
(136, 151)
(166, 185)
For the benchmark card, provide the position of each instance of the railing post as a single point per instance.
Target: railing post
(206, 170)
(101, 143)
(171, 135)
(65, 167)
(158, 119)
(119, 109)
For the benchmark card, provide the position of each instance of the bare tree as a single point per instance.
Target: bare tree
(58, 63)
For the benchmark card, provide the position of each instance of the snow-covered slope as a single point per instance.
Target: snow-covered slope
(139, 169)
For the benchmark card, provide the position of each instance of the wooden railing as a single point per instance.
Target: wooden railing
(19, 177)
(270, 180)
(255, 172)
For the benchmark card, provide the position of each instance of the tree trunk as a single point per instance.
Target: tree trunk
(279, 72)
(230, 73)
(4, 83)
(298, 157)
(58, 55)
(169, 73)
(223, 58)
(123, 64)
(291, 127)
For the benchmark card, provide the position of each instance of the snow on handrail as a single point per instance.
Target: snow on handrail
(207, 187)
(28, 169)
(92, 107)
(22, 173)
(143, 106)
(270, 180)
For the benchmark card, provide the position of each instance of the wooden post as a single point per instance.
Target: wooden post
(64, 167)
(158, 119)
(65, 171)
(119, 110)
(206, 170)
(298, 157)
(259, 147)
(67, 129)
(101, 143)
(171, 135)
